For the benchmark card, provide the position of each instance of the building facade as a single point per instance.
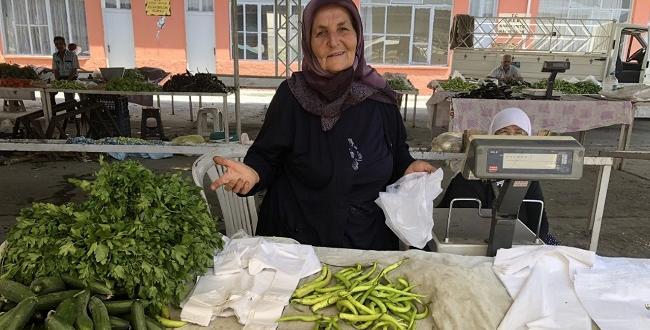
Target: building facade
(407, 36)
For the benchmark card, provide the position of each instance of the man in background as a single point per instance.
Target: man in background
(64, 65)
(506, 72)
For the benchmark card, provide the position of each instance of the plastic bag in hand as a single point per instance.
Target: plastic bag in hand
(408, 206)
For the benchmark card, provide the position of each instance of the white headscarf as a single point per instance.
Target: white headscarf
(511, 116)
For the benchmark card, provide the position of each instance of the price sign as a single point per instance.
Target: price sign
(158, 7)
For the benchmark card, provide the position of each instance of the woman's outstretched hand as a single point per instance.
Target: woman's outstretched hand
(419, 166)
(239, 177)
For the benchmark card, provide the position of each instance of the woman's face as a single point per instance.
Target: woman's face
(333, 39)
(511, 130)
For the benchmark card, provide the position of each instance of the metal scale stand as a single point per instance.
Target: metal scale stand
(554, 67)
(516, 161)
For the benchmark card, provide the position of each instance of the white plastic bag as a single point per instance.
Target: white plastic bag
(408, 206)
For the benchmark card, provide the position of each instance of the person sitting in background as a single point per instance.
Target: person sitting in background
(64, 65)
(506, 72)
(510, 121)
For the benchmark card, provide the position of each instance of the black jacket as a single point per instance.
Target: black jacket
(306, 171)
(482, 190)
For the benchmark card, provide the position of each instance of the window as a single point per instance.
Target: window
(200, 5)
(29, 26)
(406, 31)
(586, 9)
(483, 8)
(593, 12)
(255, 28)
(117, 4)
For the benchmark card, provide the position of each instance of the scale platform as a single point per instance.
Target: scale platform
(469, 232)
(538, 92)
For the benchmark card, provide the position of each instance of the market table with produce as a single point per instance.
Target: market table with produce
(464, 291)
(462, 105)
(21, 82)
(130, 252)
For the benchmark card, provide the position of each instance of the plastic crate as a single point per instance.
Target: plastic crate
(118, 107)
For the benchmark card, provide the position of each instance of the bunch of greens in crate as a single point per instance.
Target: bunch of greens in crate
(66, 84)
(133, 74)
(581, 87)
(399, 84)
(458, 85)
(131, 84)
(16, 71)
(139, 233)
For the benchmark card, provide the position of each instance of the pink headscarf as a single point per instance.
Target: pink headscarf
(328, 95)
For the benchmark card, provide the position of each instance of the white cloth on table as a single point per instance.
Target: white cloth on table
(616, 293)
(540, 281)
(253, 279)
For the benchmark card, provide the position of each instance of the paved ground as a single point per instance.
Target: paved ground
(25, 179)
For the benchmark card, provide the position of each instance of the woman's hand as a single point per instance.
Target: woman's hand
(419, 166)
(239, 177)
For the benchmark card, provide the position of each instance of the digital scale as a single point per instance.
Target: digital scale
(514, 160)
(554, 67)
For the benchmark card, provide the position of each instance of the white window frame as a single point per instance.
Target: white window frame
(201, 6)
(118, 4)
(413, 6)
(50, 28)
(258, 4)
(495, 9)
(571, 7)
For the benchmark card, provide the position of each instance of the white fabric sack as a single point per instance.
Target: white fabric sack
(408, 206)
(540, 281)
(615, 293)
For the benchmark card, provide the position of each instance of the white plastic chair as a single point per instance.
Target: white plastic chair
(238, 212)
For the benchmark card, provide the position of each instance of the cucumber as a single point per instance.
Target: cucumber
(95, 287)
(51, 300)
(83, 321)
(137, 316)
(73, 282)
(7, 306)
(20, 315)
(118, 323)
(153, 324)
(118, 307)
(15, 291)
(53, 322)
(67, 311)
(100, 288)
(43, 285)
(101, 320)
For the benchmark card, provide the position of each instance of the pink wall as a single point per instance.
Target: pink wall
(641, 12)
(168, 51)
(512, 6)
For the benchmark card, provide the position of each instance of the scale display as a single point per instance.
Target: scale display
(526, 158)
(524, 161)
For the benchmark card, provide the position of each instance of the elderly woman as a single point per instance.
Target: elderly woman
(510, 121)
(332, 140)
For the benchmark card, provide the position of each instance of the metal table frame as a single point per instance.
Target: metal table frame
(406, 93)
(47, 107)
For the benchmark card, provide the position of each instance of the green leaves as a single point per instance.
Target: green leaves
(581, 87)
(137, 231)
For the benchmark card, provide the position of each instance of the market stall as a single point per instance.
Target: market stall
(572, 113)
